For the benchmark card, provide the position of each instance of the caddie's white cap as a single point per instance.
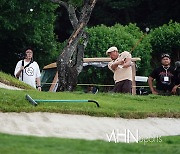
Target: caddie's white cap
(111, 49)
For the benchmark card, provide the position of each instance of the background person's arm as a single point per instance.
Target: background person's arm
(38, 80)
(150, 82)
(19, 72)
(18, 69)
(38, 75)
(175, 89)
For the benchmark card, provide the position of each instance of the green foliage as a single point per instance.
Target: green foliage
(124, 38)
(96, 75)
(25, 24)
(77, 3)
(165, 39)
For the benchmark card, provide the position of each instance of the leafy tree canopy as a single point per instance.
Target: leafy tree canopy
(165, 39)
(25, 24)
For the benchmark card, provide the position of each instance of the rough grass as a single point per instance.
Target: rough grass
(12, 81)
(13, 144)
(111, 105)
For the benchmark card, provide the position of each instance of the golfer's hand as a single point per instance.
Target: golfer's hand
(121, 62)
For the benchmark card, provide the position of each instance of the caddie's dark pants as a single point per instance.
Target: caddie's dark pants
(124, 86)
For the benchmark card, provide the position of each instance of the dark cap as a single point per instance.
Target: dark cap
(165, 55)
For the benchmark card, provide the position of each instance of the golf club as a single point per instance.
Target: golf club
(36, 101)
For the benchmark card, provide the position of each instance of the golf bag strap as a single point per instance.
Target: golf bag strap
(25, 66)
(22, 70)
(28, 64)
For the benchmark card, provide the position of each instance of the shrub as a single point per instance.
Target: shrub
(165, 39)
(124, 38)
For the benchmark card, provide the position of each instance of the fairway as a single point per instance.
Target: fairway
(13, 144)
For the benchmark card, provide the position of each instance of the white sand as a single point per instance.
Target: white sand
(86, 127)
(2, 85)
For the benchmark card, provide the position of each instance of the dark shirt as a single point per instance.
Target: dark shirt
(165, 79)
(177, 76)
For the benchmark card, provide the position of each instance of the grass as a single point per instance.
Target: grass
(13, 144)
(10, 80)
(111, 105)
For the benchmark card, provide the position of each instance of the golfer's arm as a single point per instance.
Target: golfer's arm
(150, 83)
(127, 62)
(115, 64)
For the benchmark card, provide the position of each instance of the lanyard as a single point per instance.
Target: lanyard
(166, 69)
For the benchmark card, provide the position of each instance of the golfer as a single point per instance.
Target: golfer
(121, 67)
(28, 70)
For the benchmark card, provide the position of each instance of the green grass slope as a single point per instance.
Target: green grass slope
(111, 104)
(13, 144)
(12, 81)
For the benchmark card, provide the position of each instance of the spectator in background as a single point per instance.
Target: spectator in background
(121, 67)
(164, 76)
(28, 70)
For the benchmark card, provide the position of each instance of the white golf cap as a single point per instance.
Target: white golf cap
(111, 49)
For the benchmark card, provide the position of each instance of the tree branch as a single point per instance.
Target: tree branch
(72, 16)
(88, 7)
(71, 11)
(66, 5)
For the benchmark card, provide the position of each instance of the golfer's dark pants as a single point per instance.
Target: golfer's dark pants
(124, 86)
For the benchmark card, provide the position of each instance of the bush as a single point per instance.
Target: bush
(165, 39)
(124, 38)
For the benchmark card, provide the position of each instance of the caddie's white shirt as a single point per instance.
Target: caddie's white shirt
(30, 73)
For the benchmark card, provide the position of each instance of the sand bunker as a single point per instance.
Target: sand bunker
(87, 127)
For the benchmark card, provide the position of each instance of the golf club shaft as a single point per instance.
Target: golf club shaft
(60, 100)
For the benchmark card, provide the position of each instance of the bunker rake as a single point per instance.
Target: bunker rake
(36, 101)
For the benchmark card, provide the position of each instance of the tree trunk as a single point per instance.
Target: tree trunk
(70, 61)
